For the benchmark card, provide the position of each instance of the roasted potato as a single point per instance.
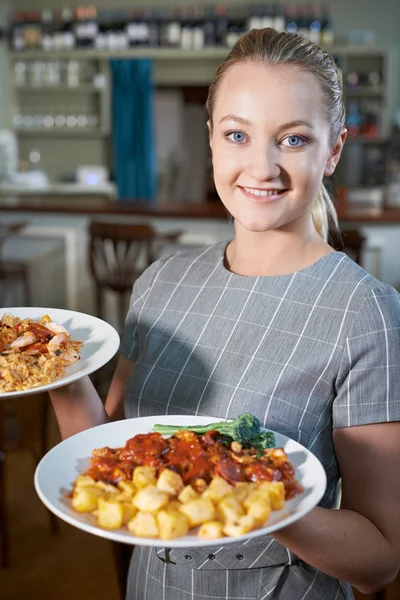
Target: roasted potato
(198, 510)
(171, 524)
(211, 530)
(150, 499)
(144, 476)
(170, 482)
(143, 525)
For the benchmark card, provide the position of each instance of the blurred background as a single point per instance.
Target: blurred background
(105, 166)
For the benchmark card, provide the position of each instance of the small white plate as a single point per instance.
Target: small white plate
(100, 343)
(59, 468)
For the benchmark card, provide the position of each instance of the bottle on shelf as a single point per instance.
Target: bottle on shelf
(314, 33)
(104, 19)
(86, 26)
(172, 28)
(267, 16)
(187, 23)
(221, 24)
(291, 23)
(17, 31)
(199, 37)
(236, 26)
(327, 30)
(210, 34)
(278, 17)
(255, 18)
(47, 25)
(68, 41)
(303, 24)
(33, 30)
(152, 18)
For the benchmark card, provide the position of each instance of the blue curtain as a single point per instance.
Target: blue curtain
(133, 129)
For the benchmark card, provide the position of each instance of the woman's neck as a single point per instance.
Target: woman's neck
(273, 252)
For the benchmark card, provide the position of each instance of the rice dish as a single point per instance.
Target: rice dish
(34, 353)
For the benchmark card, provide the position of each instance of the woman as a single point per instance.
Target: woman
(278, 323)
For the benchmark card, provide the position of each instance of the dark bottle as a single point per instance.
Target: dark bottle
(221, 24)
(104, 27)
(314, 33)
(67, 29)
(303, 24)
(236, 26)
(210, 34)
(291, 23)
(86, 26)
(327, 30)
(152, 18)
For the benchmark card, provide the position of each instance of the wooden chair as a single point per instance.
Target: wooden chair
(119, 253)
(23, 424)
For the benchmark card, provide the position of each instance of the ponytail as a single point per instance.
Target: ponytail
(323, 213)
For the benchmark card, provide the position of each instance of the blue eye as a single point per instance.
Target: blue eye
(294, 141)
(236, 136)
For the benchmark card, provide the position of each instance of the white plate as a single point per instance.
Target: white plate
(59, 468)
(100, 343)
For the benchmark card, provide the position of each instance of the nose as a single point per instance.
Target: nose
(263, 163)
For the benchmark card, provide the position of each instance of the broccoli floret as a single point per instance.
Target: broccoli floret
(265, 439)
(242, 429)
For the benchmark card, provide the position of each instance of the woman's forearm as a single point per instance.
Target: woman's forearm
(343, 544)
(77, 407)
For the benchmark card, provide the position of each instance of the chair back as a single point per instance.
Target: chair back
(119, 253)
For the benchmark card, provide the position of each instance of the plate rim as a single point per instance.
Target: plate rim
(113, 337)
(126, 538)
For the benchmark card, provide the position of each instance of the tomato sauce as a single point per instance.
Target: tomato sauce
(193, 456)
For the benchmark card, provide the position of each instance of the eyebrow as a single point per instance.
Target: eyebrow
(295, 123)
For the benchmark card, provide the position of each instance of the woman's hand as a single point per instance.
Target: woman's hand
(360, 543)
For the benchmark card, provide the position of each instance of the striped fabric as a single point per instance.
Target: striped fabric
(305, 352)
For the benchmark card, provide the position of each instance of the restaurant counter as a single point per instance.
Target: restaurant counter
(67, 219)
(101, 205)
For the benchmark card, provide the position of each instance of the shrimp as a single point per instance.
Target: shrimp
(56, 328)
(23, 340)
(55, 343)
(7, 320)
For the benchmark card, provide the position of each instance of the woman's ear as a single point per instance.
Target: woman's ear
(209, 133)
(336, 151)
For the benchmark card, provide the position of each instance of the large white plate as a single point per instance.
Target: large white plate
(100, 343)
(59, 468)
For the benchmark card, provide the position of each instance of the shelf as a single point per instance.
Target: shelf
(63, 89)
(60, 132)
(211, 53)
(217, 53)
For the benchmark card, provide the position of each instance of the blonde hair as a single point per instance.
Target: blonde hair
(280, 48)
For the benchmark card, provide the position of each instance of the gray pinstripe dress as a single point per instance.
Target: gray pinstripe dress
(305, 352)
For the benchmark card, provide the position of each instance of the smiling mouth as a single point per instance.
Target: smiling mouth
(260, 193)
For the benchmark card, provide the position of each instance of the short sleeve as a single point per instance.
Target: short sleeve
(368, 382)
(141, 289)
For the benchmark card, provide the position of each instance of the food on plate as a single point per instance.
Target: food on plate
(158, 487)
(245, 429)
(33, 352)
